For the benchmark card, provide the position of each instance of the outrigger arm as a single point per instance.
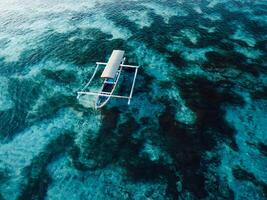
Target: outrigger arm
(83, 92)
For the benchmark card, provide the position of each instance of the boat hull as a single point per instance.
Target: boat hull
(108, 88)
(101, 100)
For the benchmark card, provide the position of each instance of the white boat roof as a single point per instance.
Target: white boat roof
(113, 64)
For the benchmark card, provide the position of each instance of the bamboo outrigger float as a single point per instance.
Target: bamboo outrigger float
(111, 75)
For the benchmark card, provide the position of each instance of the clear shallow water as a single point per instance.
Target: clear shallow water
(196, 128)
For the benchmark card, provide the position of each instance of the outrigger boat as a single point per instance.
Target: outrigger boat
(111, 75)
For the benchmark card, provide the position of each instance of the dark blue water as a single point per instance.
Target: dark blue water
(196, 127)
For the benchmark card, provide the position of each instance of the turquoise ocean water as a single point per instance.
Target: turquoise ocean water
(196, 127)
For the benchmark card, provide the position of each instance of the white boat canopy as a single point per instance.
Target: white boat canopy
(113, 64)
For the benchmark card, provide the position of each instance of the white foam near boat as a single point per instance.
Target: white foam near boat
(110, 76)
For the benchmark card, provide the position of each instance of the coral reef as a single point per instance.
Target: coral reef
(196, 128)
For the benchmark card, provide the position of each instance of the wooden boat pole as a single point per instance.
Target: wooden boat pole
(105, 95)
(97, 65)
(131, 93)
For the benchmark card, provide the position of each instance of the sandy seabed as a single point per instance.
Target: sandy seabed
(196, 127)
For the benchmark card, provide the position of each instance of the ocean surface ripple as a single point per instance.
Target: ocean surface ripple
(196, 127)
